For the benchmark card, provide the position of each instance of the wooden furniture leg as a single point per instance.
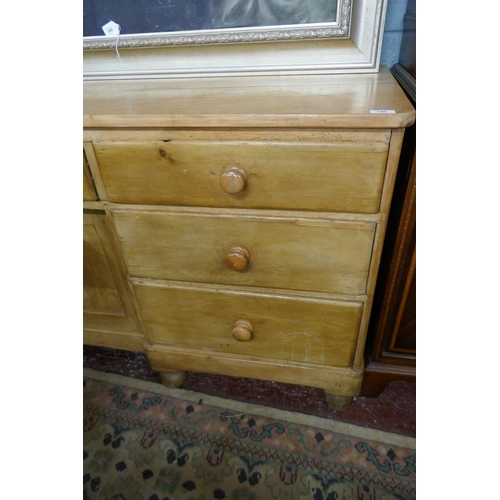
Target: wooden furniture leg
(172, 378)
(338, 402)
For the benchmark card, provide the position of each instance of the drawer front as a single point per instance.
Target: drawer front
(284, 328)
(342, 177)
(299, 254)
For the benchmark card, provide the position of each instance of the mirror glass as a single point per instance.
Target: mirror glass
(143, 17)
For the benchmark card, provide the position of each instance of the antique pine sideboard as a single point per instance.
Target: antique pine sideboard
(234, 225)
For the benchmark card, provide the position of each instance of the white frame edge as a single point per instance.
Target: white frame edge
(359, 53)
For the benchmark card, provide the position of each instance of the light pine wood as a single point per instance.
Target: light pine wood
(233, 180)
(94, 206)
(392, 167)
(314, 295)
(299, 254)
(314, 135)
(338, 402)
(89, 193)
(284, 328)
(335, 380)
(242, 330)
(127, 341)
(249, 215)
(94, 170)
(342, 177)
(237, 258)
(107, 304)
(173, 378)
(100, 292)
(340, 101)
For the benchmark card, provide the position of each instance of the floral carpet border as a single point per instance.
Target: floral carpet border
(328, 456)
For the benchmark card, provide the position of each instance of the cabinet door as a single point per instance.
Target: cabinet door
(109, 317)
(89, 193)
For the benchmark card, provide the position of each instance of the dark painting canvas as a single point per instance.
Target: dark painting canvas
(157, 16)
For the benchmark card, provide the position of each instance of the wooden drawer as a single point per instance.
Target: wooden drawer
(342, 176)
(284, 328)
(300, 254)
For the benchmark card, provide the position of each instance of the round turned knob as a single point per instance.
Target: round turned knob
(233, 180)
(242, 330)
(237, 258)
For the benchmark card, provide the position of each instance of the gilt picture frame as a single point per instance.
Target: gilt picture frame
(349, 43)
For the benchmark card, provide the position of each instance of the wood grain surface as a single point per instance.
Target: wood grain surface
(343, 177)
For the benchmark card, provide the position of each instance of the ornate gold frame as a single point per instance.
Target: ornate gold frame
(352, 44)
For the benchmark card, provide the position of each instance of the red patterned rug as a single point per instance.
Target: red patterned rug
(145, 441)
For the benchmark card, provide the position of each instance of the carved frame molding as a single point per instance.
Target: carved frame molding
(237, 35)
(351, 46)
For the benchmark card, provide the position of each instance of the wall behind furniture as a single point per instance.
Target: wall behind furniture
(393, 32)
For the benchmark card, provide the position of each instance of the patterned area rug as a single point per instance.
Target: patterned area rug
(145, 441)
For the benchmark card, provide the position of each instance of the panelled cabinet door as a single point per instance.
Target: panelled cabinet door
(107, 305)
(89, 192)
(100, 292)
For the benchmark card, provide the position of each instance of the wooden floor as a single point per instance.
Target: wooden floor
(394, 410)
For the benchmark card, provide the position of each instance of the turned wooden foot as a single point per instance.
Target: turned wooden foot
(338, 402)
(173, 378)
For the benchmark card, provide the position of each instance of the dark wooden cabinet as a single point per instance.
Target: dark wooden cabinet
(391, 347)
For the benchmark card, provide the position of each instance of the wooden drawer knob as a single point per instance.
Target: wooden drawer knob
(242, 330)
(237, 258)
(233, 180)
